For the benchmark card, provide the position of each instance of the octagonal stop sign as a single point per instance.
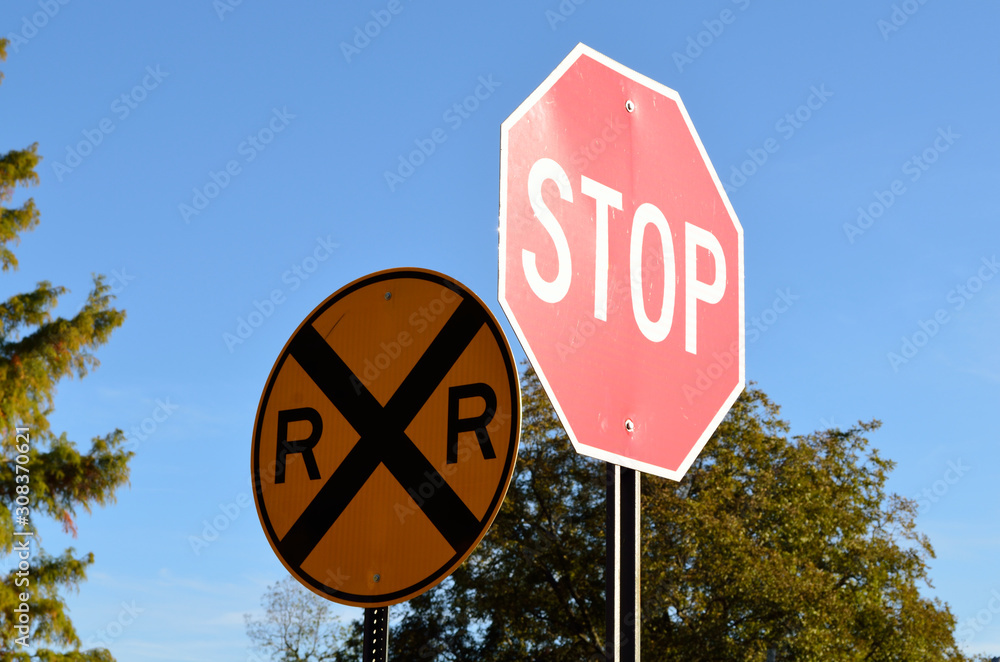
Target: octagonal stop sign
(621, 264)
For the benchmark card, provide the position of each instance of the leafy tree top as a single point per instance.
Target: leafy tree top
(773, 542)
(37, 349)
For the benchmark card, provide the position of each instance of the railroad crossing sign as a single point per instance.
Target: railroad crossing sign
(386, 437)
(621, 264)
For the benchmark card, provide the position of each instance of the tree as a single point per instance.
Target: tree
(297, 627)
(534, 588)
(43, 473)
(788, 544)
(768, 542)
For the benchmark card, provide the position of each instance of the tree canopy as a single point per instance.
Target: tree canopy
(769, 542)
(43, 472)
(296, 626)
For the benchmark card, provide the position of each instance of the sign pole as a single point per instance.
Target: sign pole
(622, 615)
(376, 641)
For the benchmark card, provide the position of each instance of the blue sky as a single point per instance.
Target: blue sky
(288, 135)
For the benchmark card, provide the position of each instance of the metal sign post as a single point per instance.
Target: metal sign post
(623, 561)
(376, 641)
(588, 288)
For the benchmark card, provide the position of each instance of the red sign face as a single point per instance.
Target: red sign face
(621, 264)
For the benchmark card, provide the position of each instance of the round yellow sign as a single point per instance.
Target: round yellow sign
(386, 437)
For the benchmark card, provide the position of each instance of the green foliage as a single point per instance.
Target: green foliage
(36, 351)
(16, 167)
(768, 542)
(534, 588)
(791, 544)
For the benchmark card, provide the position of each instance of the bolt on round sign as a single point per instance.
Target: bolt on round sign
(386, 437)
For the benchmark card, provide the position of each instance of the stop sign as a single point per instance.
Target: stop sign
(621, 264)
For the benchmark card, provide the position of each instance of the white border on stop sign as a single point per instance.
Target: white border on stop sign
(519, 112)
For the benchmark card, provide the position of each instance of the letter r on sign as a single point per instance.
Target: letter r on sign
(475, 424)
(304, 446)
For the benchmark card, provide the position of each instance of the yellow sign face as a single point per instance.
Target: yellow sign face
(386, 437)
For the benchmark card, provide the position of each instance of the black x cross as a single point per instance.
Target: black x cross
(383, 435)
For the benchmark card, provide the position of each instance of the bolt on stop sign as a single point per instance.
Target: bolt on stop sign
(621, 264)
